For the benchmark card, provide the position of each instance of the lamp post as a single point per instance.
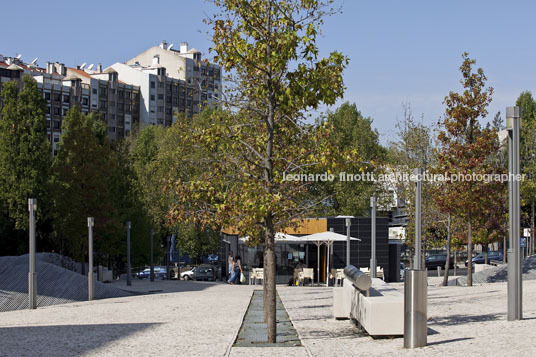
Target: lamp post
(90, 280)
(373, 237)
(152, 260)
(32, 276)
(515, 286)
(415, 284)
(129, 268)
(348, 225)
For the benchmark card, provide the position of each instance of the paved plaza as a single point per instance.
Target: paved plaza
(203, 319)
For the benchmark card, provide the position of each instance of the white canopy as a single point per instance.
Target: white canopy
(326, 237)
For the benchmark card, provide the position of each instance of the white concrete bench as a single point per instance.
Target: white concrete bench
(381, 313)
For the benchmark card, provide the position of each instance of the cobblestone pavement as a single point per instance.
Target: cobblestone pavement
(200, 319)
(468, 321)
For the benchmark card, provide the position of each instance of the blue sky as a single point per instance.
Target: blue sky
(400, 51)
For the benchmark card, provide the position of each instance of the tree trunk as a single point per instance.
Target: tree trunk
(486, 255)
(455, 261)
(469, 252)
(447, 264)
(269, 282)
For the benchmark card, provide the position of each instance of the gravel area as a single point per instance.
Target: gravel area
(500, 273)
(199, 319)
(468, 321)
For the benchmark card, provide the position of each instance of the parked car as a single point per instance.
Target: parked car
(205, 272)
(159, 273)
(480, 258)
(188, 274)
(437, 260)
(201, 272)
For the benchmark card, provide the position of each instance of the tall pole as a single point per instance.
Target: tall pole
(348, 224)
(415, 284)
(152, 260)
(90, 280)
(167, 258)
(373, 238)
(417, 261)
(32, 278)
(129, 268)
(515, 284)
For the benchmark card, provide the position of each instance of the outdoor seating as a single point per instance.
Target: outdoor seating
(259, 275)
(379, 272)
(337, 275)
(307, 273)
(375, 305)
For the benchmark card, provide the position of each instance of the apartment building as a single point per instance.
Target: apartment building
(171, 80)
(148, 89)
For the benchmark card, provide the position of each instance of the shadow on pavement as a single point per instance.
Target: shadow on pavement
(462, 319)
(449, 341)
(63, 340)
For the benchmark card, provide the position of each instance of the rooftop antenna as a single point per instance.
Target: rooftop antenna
(90, 66)
(169, 48)
(83, 65)
(34, 61)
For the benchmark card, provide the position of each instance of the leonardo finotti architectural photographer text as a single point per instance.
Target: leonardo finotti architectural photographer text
(402, 177)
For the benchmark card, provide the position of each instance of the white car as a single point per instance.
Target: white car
(188, 275)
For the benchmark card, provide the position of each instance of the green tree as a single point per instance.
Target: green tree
(528, 156)
(465, 148)
(86, 185)
(25, 155)
(351, 131)
(269, 47)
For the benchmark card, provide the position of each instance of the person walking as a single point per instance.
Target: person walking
(230, 265)
(237, 271)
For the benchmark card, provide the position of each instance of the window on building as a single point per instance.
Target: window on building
(161, 84)
(152, 84)
(65, 98)
(48, 110)
(64, 111)
(120, 93)
(112, 116)
(102, 104)
(56, 110)
(111, 129)
(47, 95)
(103, 91)
(57, 97)
(85, 100)
(160, 109)
(112, 90)
(56, 138)
(94, 91)
(152, 97)
(160, 96)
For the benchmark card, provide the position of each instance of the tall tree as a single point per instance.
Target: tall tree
(464, 148)
(353, 131)
(528, 156)
(269, 47)
(85, 185)
(25, 153)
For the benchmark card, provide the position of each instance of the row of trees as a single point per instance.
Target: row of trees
(225, 166)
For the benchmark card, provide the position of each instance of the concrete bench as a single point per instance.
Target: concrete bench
(380, 310)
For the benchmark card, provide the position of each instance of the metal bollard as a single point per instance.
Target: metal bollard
(100, 273)
(415, 306)
(438, 271)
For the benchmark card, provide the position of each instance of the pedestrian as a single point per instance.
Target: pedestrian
(237, 271)
(230, 262)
